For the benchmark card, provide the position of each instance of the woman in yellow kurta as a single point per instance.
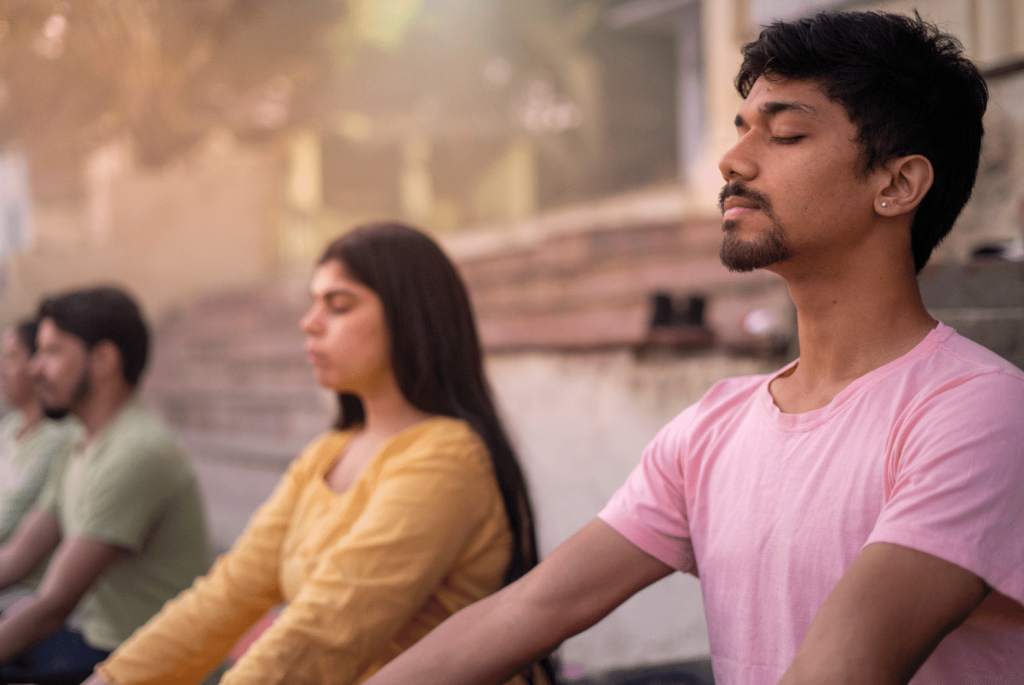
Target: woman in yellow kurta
(413, 507)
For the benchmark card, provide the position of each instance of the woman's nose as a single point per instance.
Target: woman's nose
(310, 322)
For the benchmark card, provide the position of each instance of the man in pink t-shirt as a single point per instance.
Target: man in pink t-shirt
(773, 508)
(857, 517)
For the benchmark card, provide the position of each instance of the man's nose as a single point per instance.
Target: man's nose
(737, 162)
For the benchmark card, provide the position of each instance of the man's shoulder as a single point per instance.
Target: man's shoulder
(10, 422)
(732, 394)
(139, 438)
(969, 356)
(959, 370)
(139, 429)
(725, 398)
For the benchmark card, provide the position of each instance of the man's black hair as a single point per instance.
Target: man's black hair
(904, 83)
(103, 313)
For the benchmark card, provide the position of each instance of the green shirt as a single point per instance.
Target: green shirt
(25, 464)
(132, 487)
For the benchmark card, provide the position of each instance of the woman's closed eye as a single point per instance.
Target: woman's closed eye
(338, 303)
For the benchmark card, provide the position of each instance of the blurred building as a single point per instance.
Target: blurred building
(565, 154)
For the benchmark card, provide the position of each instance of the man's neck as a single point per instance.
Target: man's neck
(850, 323)
(100, 407)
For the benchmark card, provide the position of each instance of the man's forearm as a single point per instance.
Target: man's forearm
(36, 536)
(488, 642)
(13, 567)
(74, 568)
(462, 649)
(883, 619)
(28, 622)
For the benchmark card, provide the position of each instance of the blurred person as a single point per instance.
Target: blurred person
(857, 516)
(29, 441)
(122, 514)
(410, 508)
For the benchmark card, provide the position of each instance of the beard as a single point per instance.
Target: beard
(770, 247)
(82, 389)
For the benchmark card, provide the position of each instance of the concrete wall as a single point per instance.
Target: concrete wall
(995, 214)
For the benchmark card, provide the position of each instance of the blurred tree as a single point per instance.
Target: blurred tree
(164, 72)
(452, 83)
(595, 104)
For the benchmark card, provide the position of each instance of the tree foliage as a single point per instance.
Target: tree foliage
(164, 72)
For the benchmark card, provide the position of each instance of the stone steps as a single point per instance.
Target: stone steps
(229, 375)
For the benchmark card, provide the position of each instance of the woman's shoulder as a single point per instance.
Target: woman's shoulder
(441, 437)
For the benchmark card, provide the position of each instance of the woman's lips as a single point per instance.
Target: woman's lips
(313, 358)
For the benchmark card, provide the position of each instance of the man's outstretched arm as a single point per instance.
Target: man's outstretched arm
(37, 535)
(884, 617)
(579, 583)
(75, 566)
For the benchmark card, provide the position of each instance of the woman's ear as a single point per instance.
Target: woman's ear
(909, 179)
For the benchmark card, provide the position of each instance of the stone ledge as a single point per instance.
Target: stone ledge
(690, 672)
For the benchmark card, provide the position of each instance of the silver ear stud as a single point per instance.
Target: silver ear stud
(885, 204)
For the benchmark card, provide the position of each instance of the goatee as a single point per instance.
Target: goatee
(81, 390)
(56, 413)
(770, 247)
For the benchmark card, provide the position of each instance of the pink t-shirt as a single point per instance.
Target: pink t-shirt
(925, 452)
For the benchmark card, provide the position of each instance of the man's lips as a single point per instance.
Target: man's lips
(736, 207)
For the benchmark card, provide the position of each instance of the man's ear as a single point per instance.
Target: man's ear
(105, 358)
(908, 179)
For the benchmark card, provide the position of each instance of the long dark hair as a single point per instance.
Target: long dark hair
(435, 353)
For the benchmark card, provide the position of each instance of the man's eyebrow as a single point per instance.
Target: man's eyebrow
(770, 109)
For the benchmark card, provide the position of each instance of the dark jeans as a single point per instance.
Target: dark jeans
(63, 658)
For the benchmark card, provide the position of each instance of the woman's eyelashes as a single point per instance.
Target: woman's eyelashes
(338, 303)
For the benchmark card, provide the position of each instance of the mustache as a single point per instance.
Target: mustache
(741, 189)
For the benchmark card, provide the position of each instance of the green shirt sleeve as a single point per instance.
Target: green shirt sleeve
(125, 493)
(50, 443)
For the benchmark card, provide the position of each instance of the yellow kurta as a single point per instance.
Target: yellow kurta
(365, 573)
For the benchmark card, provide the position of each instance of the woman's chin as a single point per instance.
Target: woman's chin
(325, 381)
(333, 384)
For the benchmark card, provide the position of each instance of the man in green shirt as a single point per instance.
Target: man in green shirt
(122, 515)
(30, 442)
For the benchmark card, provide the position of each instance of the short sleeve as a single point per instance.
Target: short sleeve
(649, 509)
(48, 447)
(955, 487)
(49, 497)
(125, 495)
